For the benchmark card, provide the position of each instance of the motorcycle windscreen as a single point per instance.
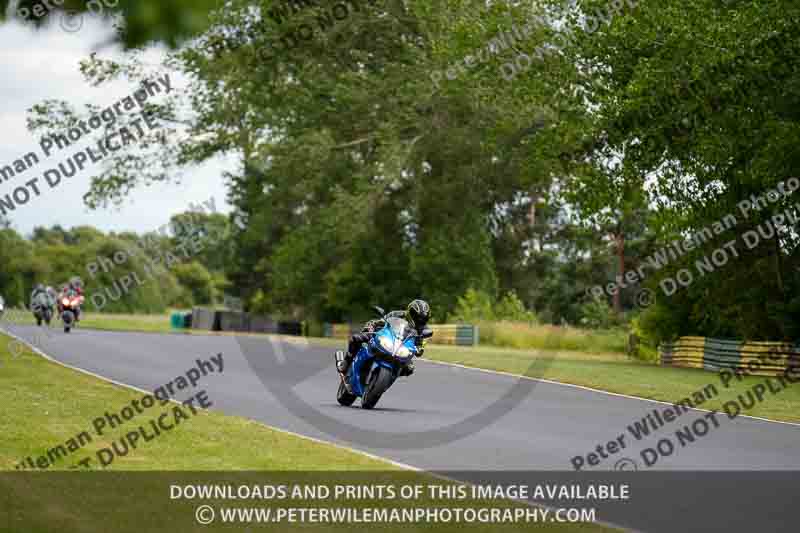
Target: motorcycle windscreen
(400, 328)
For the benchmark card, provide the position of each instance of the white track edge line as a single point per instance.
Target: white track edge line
(519, 376)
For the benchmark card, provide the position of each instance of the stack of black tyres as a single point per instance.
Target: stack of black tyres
(212, 320)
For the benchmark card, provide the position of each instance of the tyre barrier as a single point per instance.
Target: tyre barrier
(176, 321)
(454, 334)
(205, 319)
(755, 358)
(290, 328)
(233, 321)
(263, 324)
(221, 320)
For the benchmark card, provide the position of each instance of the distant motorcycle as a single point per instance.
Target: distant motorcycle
(69, 307)
(42, 308)
(378, 363)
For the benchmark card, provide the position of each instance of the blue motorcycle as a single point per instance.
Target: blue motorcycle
(378, 363)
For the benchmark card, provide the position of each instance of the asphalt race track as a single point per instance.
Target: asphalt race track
(542, 427)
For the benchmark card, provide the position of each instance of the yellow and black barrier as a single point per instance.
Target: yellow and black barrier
(456, 334)
(755, 358)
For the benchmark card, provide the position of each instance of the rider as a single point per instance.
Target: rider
(416, 314)
(75, 285)
(37, 290)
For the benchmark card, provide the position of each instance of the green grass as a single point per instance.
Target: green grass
(44, 404)
(545, 337)
(124, 322)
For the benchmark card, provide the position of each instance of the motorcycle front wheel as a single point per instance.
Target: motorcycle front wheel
(380, 380)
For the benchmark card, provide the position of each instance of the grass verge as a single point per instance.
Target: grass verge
(546, 337)
(44, 404)
(149, 323)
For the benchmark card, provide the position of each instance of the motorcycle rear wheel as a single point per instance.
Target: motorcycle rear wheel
(380, 380)
(344, 397)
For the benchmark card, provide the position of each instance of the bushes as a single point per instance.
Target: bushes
(477, 306)
(506, 323)
(197, 280)
(597, 314)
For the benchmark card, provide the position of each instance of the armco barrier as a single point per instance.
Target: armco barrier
(757, 358)
(458, 334)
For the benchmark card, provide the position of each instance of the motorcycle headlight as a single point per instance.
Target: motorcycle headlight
(386, 344)
(403, 353)
(65, 301)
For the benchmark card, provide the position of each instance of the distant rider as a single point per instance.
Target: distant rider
(37, 290)
(41, 297)
(416, 314)
(74, 287)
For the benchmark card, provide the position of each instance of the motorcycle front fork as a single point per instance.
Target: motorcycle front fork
(342, 362)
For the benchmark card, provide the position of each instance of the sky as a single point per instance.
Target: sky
(43, 64)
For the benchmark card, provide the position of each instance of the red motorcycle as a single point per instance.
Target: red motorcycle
(69, 306)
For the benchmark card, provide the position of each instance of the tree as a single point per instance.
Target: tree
(700, 101)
